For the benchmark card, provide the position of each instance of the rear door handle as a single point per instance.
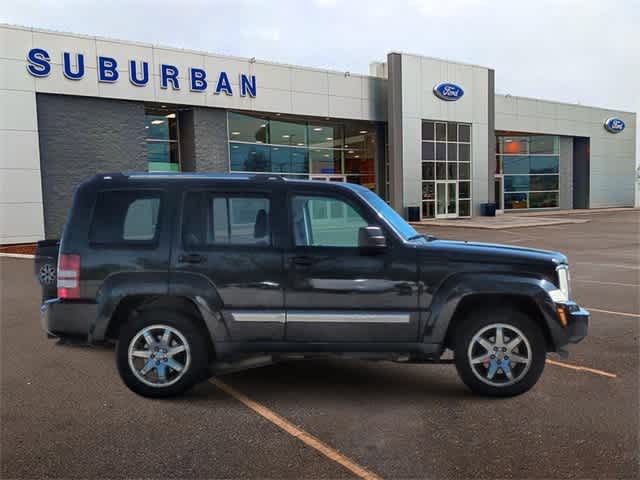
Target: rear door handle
(302, 261)
(192, 258)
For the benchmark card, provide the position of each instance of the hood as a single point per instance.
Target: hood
(478, 252)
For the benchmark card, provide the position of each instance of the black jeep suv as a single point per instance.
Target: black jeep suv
(196, 273)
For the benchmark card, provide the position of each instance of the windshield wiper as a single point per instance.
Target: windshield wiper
(428, 238)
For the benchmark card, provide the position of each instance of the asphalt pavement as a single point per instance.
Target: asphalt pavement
(65, 413)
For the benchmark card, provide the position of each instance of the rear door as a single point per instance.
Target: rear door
(227, 234)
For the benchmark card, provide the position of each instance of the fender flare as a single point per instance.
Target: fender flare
(194, 287)
(460, 286)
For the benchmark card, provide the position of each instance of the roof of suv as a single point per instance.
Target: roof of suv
(124, 177)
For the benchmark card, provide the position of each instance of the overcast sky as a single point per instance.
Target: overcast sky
(582, 51)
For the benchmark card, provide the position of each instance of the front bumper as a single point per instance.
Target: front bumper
(66, 319)
(577, 322)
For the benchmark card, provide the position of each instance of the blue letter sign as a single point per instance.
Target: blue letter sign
(39, 65)
(107, 69)
(74, 68)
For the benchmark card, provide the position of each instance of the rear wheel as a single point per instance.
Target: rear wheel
(499, 353)
(161, 354)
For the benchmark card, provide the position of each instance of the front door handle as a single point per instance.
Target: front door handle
(191, 258)
(302, 261)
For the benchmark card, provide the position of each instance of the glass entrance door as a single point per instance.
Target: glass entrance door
(447, 199)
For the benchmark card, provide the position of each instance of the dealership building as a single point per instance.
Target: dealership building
(430, 136)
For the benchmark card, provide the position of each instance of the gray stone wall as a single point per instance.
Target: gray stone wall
(210, 145)
(82, 136)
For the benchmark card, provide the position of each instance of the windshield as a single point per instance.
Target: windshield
(398, 223)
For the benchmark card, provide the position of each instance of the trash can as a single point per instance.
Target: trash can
(413, 214)
(488, 209)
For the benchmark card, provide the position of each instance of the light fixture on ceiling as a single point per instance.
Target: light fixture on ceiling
(317, 129)
(234, 146)
(346, 146)
(170, 115)
(326, 155)
(263, 125)
(301, 144)
(329, 138)
(163, 106)
(357, 156)
(350, 151)
(286, 136)
(276, 148)
(235, 133)
(363, 131)
(157, 122)
(146, 126)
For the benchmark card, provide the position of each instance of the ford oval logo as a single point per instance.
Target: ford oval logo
(448, 91)
(614, 124)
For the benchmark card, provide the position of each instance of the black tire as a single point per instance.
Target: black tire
(194, 369)
(524, 377)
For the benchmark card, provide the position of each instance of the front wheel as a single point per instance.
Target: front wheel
(500, 353)
(161, 354)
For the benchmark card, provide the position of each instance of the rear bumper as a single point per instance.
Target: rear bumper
(66, 319)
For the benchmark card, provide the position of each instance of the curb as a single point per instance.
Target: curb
(17, 255)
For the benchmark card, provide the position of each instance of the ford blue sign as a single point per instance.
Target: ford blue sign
(448, 91)
(614, 124)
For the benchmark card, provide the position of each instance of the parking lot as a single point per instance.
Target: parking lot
(65, 412)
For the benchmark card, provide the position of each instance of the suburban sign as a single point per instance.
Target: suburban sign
(109, 70)
(448, 91)
(614, 124)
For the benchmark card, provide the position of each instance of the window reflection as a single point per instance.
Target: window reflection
(530, 165)
(262, 143)
(161, 132)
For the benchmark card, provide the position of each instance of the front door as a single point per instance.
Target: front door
(447, 199)
(336, 293)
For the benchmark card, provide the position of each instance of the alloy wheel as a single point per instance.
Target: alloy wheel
(499, 355)
(159, 355)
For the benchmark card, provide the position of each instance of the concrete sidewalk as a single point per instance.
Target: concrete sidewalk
(522, 219)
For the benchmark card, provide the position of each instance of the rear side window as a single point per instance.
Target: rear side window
(125, 217)
(211, 219)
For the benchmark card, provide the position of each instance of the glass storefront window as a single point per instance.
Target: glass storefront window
(325, 161)
(325, 136)
(250, 158)
(544, 144)
(288, 133)
(446, 159)
(161, 131)
(530, 166)
(274, 143)
(245, 128)
(515, 201)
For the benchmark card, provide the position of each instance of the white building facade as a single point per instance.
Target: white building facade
(430, 136)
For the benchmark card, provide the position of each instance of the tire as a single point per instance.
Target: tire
(137, 352)
(522, 359)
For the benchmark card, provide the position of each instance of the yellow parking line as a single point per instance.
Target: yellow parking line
(296, 432)
(582, 369)
(624, 314)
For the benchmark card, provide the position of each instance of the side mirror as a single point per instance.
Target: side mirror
(371, 238)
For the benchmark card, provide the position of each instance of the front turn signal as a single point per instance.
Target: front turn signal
(562, 313)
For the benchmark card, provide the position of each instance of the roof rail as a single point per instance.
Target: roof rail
(265, 177)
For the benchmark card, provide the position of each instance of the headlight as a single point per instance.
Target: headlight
(564, 281)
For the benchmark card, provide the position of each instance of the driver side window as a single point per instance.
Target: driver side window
(322, 221)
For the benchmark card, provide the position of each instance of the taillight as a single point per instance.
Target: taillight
(69, 276)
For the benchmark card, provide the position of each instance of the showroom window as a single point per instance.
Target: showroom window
(529, 169)
(303, 148)
(446, 169)
(161, 130)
